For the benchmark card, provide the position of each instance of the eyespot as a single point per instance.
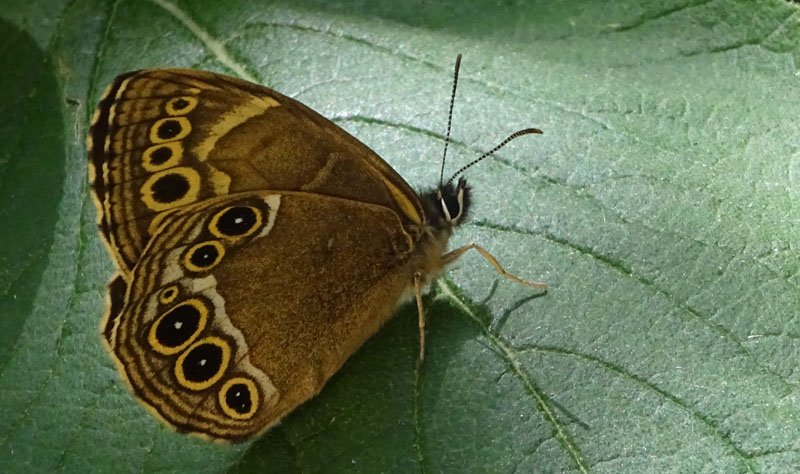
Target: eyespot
(171, 188)
(174, 330)
(167, 295)
(170, 129)
(239, 398)
(235, 222)
(203, 363)
(204, 256)
(181, 105)
(163, 156)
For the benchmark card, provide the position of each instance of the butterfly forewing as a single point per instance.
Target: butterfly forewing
(166, 138)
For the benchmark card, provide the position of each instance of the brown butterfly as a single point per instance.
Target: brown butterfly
(258, 245)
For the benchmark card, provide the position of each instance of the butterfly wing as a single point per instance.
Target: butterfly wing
(166, 138)
(267, 262)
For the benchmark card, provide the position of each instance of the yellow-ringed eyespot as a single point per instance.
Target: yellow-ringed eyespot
(170, 129)
(239, 398)
(235, 222)
(203, 363)
(181, 105)
(162, 156)
(174, 330)
(167, 295)
(171, 188)
(203, 256)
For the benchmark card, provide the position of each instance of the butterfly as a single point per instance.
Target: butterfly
(257, 245)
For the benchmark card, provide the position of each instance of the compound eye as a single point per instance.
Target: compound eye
(452, 205)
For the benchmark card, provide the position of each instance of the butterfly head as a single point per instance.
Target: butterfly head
(448, 205)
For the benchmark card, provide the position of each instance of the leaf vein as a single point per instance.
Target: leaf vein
(509, 355)
(618, 265)
(216, 47)
(713, 427)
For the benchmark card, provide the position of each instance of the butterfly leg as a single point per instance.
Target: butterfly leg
(421, 313)
(454, 255)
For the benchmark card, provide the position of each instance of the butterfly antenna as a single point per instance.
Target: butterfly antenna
(514, 135)
(450, 116)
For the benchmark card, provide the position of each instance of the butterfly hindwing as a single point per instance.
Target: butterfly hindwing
(241, 307)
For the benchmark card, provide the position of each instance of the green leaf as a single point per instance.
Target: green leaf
(658, 206)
